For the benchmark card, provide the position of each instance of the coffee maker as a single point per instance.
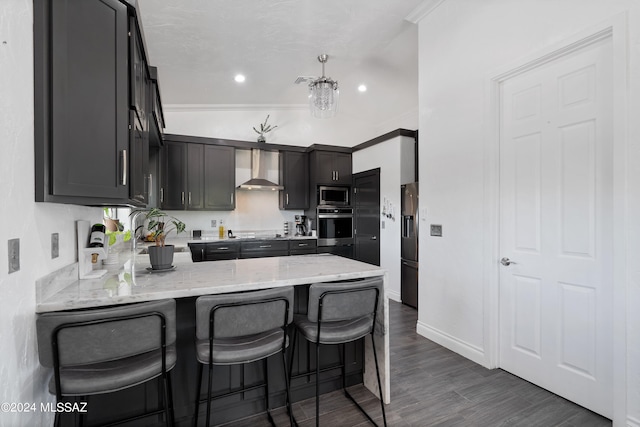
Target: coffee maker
(301, 225)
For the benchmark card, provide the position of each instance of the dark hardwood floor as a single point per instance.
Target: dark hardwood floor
(433, 386)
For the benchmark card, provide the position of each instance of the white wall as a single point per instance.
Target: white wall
(396, 160)
(462, 44)
(295, 125)
(22, 378)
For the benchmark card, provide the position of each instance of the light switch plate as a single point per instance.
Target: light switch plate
(14, 255)
(436, 230)
(55, 245)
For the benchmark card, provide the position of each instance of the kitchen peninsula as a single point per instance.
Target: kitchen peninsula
(134, 283)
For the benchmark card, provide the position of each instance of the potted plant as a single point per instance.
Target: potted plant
(264, 128)
(160, 225)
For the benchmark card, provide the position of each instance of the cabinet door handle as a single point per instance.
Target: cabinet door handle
(182, 197)
(189, 197)
(264, 246)
(202, 254)
(337, 175)
(161, 194)
(302, 244)
(223, 248)
(124, 167)
(232, 198)
(287, 199)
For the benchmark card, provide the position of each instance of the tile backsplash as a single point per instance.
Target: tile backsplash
(255, 211)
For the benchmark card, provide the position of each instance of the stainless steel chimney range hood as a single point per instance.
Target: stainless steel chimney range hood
(259, 179)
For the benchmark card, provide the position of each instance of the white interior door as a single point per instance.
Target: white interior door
(556, 198)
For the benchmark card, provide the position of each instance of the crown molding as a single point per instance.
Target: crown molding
(422, 10)
(181, 108)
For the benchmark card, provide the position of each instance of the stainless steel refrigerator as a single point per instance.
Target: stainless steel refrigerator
(409, 245)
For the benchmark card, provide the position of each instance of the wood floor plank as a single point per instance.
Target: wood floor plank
(432, 386)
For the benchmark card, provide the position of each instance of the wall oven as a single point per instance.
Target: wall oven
(335, 226)
(333, 196)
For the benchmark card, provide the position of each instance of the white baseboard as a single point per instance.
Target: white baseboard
(464, 349)
(393, 295)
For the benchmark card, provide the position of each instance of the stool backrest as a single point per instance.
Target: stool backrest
(242, 314)
(105, 334)
(343, 300)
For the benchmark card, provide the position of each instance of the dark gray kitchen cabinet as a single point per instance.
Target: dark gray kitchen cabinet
(81, 101)
(195, 177)
(214, 251)
(198, 177)
(303, 246)
(138, 72)
(330, 167)
(139, 166)
(264, 248)
(294, 176)
(91, 103)
(156, 116)
(219, 178)
(174, 158)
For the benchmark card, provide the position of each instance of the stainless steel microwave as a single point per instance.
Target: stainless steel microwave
(333, 196)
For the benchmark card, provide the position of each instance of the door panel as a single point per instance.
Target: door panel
(367, 216)
(556, 226)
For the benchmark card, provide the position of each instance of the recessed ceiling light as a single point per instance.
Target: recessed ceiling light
(239, 78)
(362, 88)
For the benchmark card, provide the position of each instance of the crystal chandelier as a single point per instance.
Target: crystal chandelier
(323, 94)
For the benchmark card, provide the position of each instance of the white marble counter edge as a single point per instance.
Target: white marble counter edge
(82, 294)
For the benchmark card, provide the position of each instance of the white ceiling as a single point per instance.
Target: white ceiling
(200, 45)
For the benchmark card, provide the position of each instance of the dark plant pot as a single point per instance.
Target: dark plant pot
(161, 257)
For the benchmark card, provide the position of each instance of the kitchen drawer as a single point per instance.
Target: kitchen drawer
(214, 251)
(303, 244)
(221, 251)
(264, 246)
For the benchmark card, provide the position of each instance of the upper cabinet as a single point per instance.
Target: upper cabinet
(294, 176)
(91, 103)
(198, 176)
(330, 167)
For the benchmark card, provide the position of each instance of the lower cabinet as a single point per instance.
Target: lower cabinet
(303, 247)
(214, 251)
(217, 251)
(264, 248)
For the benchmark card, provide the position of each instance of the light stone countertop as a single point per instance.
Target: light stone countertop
(62, 291)
(127, 285)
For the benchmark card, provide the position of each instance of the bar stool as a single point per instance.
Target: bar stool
(105, 350)
(240, 328)
(339, 313)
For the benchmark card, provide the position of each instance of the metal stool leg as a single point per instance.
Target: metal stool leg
(375, 358)
(318, 384)
(195, 420)
(209, 394)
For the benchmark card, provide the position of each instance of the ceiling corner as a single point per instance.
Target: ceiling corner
(422, 10)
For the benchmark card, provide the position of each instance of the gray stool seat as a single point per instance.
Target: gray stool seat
(112, 376)
(104, 350)
(336, 332)
(339, 313)
(241, 328)
(232, 351)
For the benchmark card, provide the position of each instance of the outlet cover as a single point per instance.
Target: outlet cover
(55, 245)
(214, 223)
(436, 230)
(14, 255)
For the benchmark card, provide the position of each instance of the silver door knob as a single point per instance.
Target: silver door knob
(506, 261)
